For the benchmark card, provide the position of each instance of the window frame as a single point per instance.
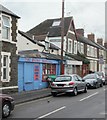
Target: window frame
(7, 28)
(75, 47)
(7, 67)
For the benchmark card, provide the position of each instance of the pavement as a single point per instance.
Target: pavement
(27, 96)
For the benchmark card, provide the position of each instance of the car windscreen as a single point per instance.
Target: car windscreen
(63, 78)
(90, 76)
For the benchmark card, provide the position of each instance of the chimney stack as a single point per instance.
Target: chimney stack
(91, 37)
(80, 31)
(100, 41)
(105, 45)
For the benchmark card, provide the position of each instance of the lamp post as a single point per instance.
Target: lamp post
(62, 37)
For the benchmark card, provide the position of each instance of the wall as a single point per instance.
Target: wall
(10, 46)
(25, 44)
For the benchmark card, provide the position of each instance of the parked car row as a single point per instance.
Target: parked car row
(73, 84)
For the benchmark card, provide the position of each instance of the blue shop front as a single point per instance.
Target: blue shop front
(32, 72)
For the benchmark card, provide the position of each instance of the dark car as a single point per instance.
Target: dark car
(68, 84)
(102, 76)
(7, 103)
(93, 80)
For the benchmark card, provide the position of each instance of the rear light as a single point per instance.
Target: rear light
(71, 83)
(52, 84)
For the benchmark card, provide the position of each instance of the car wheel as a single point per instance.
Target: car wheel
(6, 109)
(101, 85)
(85, 90)
(54, 94)
(96, 85)
(75, 92)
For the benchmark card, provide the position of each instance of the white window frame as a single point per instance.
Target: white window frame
(69, 49)
(75, 47)
(46, 46)
(88, 50)
(8, 61)
(82, 48)
(8, 27)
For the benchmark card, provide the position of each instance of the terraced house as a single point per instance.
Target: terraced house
(84, 52)
(8, 48)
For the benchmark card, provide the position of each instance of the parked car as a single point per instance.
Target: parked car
(102, 76)
(93, 80)
(7, 104)
(68, 84)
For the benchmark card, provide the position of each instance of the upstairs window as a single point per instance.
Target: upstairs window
(56, 23)
(5, 27)
(69, 45)
(75, 47)
(46, 46)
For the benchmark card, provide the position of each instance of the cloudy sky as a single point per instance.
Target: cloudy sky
(89, 15)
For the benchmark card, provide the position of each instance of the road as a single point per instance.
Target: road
(84, 105)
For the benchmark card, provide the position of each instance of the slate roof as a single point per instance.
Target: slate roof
(46, 27)
(7, 11)
(37, 54)
(87, 41)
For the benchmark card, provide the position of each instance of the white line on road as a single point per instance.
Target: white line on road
(89, 96)
(51, 112)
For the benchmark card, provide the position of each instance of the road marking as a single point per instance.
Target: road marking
(89, 96)
(51, 112)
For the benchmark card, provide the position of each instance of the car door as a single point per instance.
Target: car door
(78, 83)
(82, 83)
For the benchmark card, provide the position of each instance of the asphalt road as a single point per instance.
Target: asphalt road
(84, 105)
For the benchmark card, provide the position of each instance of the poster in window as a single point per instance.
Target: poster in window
(36, 72)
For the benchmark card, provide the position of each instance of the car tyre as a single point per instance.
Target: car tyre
(75, 92)
(85, 90)
(6, 109)
(96, 85)
(101, 85)
(54, 94)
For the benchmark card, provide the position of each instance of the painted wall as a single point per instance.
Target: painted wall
(25, 44)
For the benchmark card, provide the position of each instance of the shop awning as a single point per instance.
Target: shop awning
(79, 57)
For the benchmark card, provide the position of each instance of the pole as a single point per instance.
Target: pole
(62, 37)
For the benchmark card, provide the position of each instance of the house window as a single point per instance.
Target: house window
(82, 48)
(70, 45)
(46, 46)
(5, 27)
(5, 60)
(75, 47)
(56, 23)
(88, 50)
(5, 67)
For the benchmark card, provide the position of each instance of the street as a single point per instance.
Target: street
(84, 105)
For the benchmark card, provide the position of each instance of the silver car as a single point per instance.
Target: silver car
(68, 84)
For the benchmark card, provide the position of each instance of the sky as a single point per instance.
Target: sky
(87, 14)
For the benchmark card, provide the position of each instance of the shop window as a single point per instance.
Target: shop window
(48, 69)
